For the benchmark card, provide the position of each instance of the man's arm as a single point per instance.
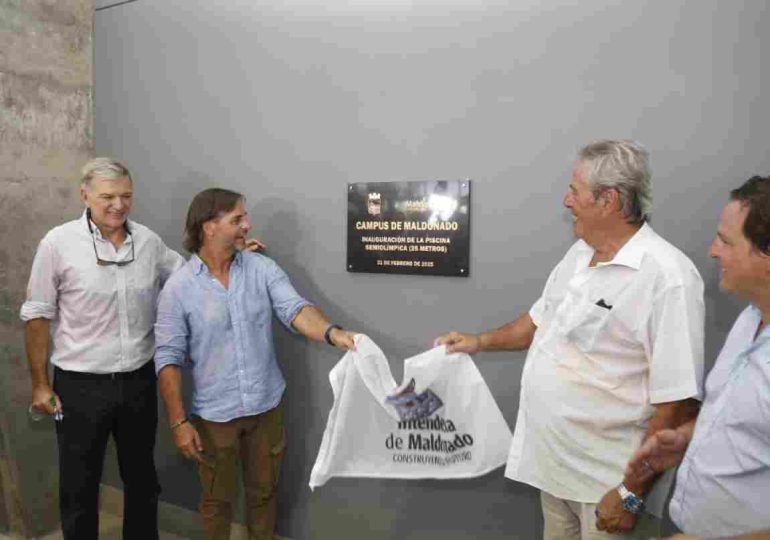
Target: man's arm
(39, 308)
(610, 514)
(311, 322)
(673, 337)
(298, 314)
(186, 437)
(37, 356)
(517, 335)
(171, 353)
(663, 450)
(667, 417)
(169, 261)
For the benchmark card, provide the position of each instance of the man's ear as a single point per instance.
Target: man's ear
(611, 199)
(83, 193)
(765, 258)
(208, 228)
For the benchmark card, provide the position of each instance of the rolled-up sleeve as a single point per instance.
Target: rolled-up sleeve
(284, 299)
(676, 334)
(171, 331)
(42, 289)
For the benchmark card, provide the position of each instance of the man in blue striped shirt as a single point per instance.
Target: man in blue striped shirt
(215, 317)
(723, 484)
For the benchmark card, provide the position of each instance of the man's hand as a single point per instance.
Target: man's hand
(682, 537)
(611, 517)
(188, 441)
(663, 450)
(254, 244)
(44, 400)
(458, 342)
(343, 339)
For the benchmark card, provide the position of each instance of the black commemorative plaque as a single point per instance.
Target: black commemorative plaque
(409, 227)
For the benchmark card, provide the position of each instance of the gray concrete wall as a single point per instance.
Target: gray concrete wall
(46, 121)
(287, 101)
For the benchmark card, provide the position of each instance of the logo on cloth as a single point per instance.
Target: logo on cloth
(424, 433)
(412, 406)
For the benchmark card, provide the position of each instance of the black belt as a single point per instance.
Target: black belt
(142, 372)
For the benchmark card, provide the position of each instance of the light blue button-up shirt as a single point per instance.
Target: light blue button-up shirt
(225, 335)
(723, 484)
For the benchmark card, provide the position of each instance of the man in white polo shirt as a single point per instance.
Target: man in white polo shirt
(615, 353)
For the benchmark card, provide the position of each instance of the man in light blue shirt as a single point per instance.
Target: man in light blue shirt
(215, 317)
(723, 483)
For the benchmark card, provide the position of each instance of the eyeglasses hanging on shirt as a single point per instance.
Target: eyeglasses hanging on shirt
(99, 260)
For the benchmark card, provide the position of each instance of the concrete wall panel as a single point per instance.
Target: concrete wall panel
(45, 136)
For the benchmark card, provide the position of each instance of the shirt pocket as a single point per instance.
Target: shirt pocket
(256, 308)
(582, 321)
(142, 294)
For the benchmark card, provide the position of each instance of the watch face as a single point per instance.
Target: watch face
(632, 503)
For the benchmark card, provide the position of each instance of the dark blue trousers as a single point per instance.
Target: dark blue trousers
(124, 405)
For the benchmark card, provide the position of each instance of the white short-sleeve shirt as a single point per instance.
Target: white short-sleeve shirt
(611, 341)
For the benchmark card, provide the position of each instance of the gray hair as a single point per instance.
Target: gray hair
(103, 167)
(622, 165)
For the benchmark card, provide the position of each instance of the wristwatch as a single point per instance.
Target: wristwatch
(631, 503)
(328, 333)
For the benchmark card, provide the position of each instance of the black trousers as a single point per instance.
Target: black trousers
(95, 406)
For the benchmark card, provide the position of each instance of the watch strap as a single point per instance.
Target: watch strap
(328, 333)
(631, 501)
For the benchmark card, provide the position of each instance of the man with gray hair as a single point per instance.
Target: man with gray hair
(615, 354)
(94, 285)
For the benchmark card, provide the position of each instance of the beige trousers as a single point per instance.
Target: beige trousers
(257, 442)
(570, 520)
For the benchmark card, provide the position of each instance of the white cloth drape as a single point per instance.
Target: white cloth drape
(464, 436)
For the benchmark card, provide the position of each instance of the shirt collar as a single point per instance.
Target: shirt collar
(756, 317)
(632, 252)
(199, 266)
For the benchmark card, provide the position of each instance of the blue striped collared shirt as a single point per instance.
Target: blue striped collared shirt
(225, 335)
(723, 484)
